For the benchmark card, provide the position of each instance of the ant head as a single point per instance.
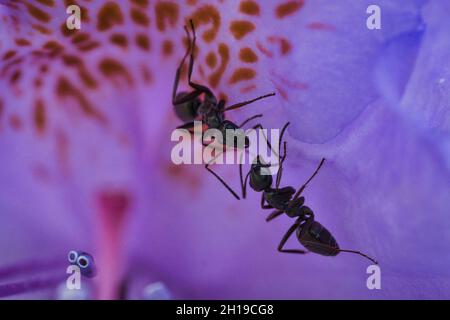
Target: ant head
(211, 101)
(260, 177)
(187, 111)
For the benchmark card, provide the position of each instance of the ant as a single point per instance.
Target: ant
(188, 106)
(310, 233)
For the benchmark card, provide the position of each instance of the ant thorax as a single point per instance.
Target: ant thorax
(295, 208)
(279, 198)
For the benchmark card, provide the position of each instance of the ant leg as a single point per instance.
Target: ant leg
(196, 86)
(281, 159)
(280, 170)
(309, 180)
(274, 214)
(242, 180)
(286, 237)
(180, 67)
(264, 206)
(219, 178)
(241, 104)
(259, 126)
(283, 130)
(190, 96)
(198, 91)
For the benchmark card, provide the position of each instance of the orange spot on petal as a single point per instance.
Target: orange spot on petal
(241, 28)
(288, 8)
(166, 11)
(39, 116)
(320, 26)
(242, 74)
(207, 14)
(249, 7)
(247, 55)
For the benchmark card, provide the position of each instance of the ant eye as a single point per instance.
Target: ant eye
(72, 256)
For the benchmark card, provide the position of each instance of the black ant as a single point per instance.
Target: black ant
(310, 233)
(189, 107)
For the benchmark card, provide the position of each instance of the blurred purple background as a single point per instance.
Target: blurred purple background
(85, 124)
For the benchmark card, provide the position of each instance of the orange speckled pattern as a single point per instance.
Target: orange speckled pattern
(88, 103)
(41, 58)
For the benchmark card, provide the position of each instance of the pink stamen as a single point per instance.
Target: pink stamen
(112, 212)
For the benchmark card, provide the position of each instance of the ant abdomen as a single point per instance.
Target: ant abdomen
(316, 238)
(186, 111)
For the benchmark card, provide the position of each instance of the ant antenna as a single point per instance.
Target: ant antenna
(361, 254)
(189, 42)
(299, 192)
(279, 143)
(241, 104)
(281, 136)
(343, 250)
(191, 22)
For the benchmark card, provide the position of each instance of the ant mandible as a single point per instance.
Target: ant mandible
(188, 106)
(310, 233)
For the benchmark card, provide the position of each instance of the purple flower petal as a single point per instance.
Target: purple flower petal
(85, 121)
